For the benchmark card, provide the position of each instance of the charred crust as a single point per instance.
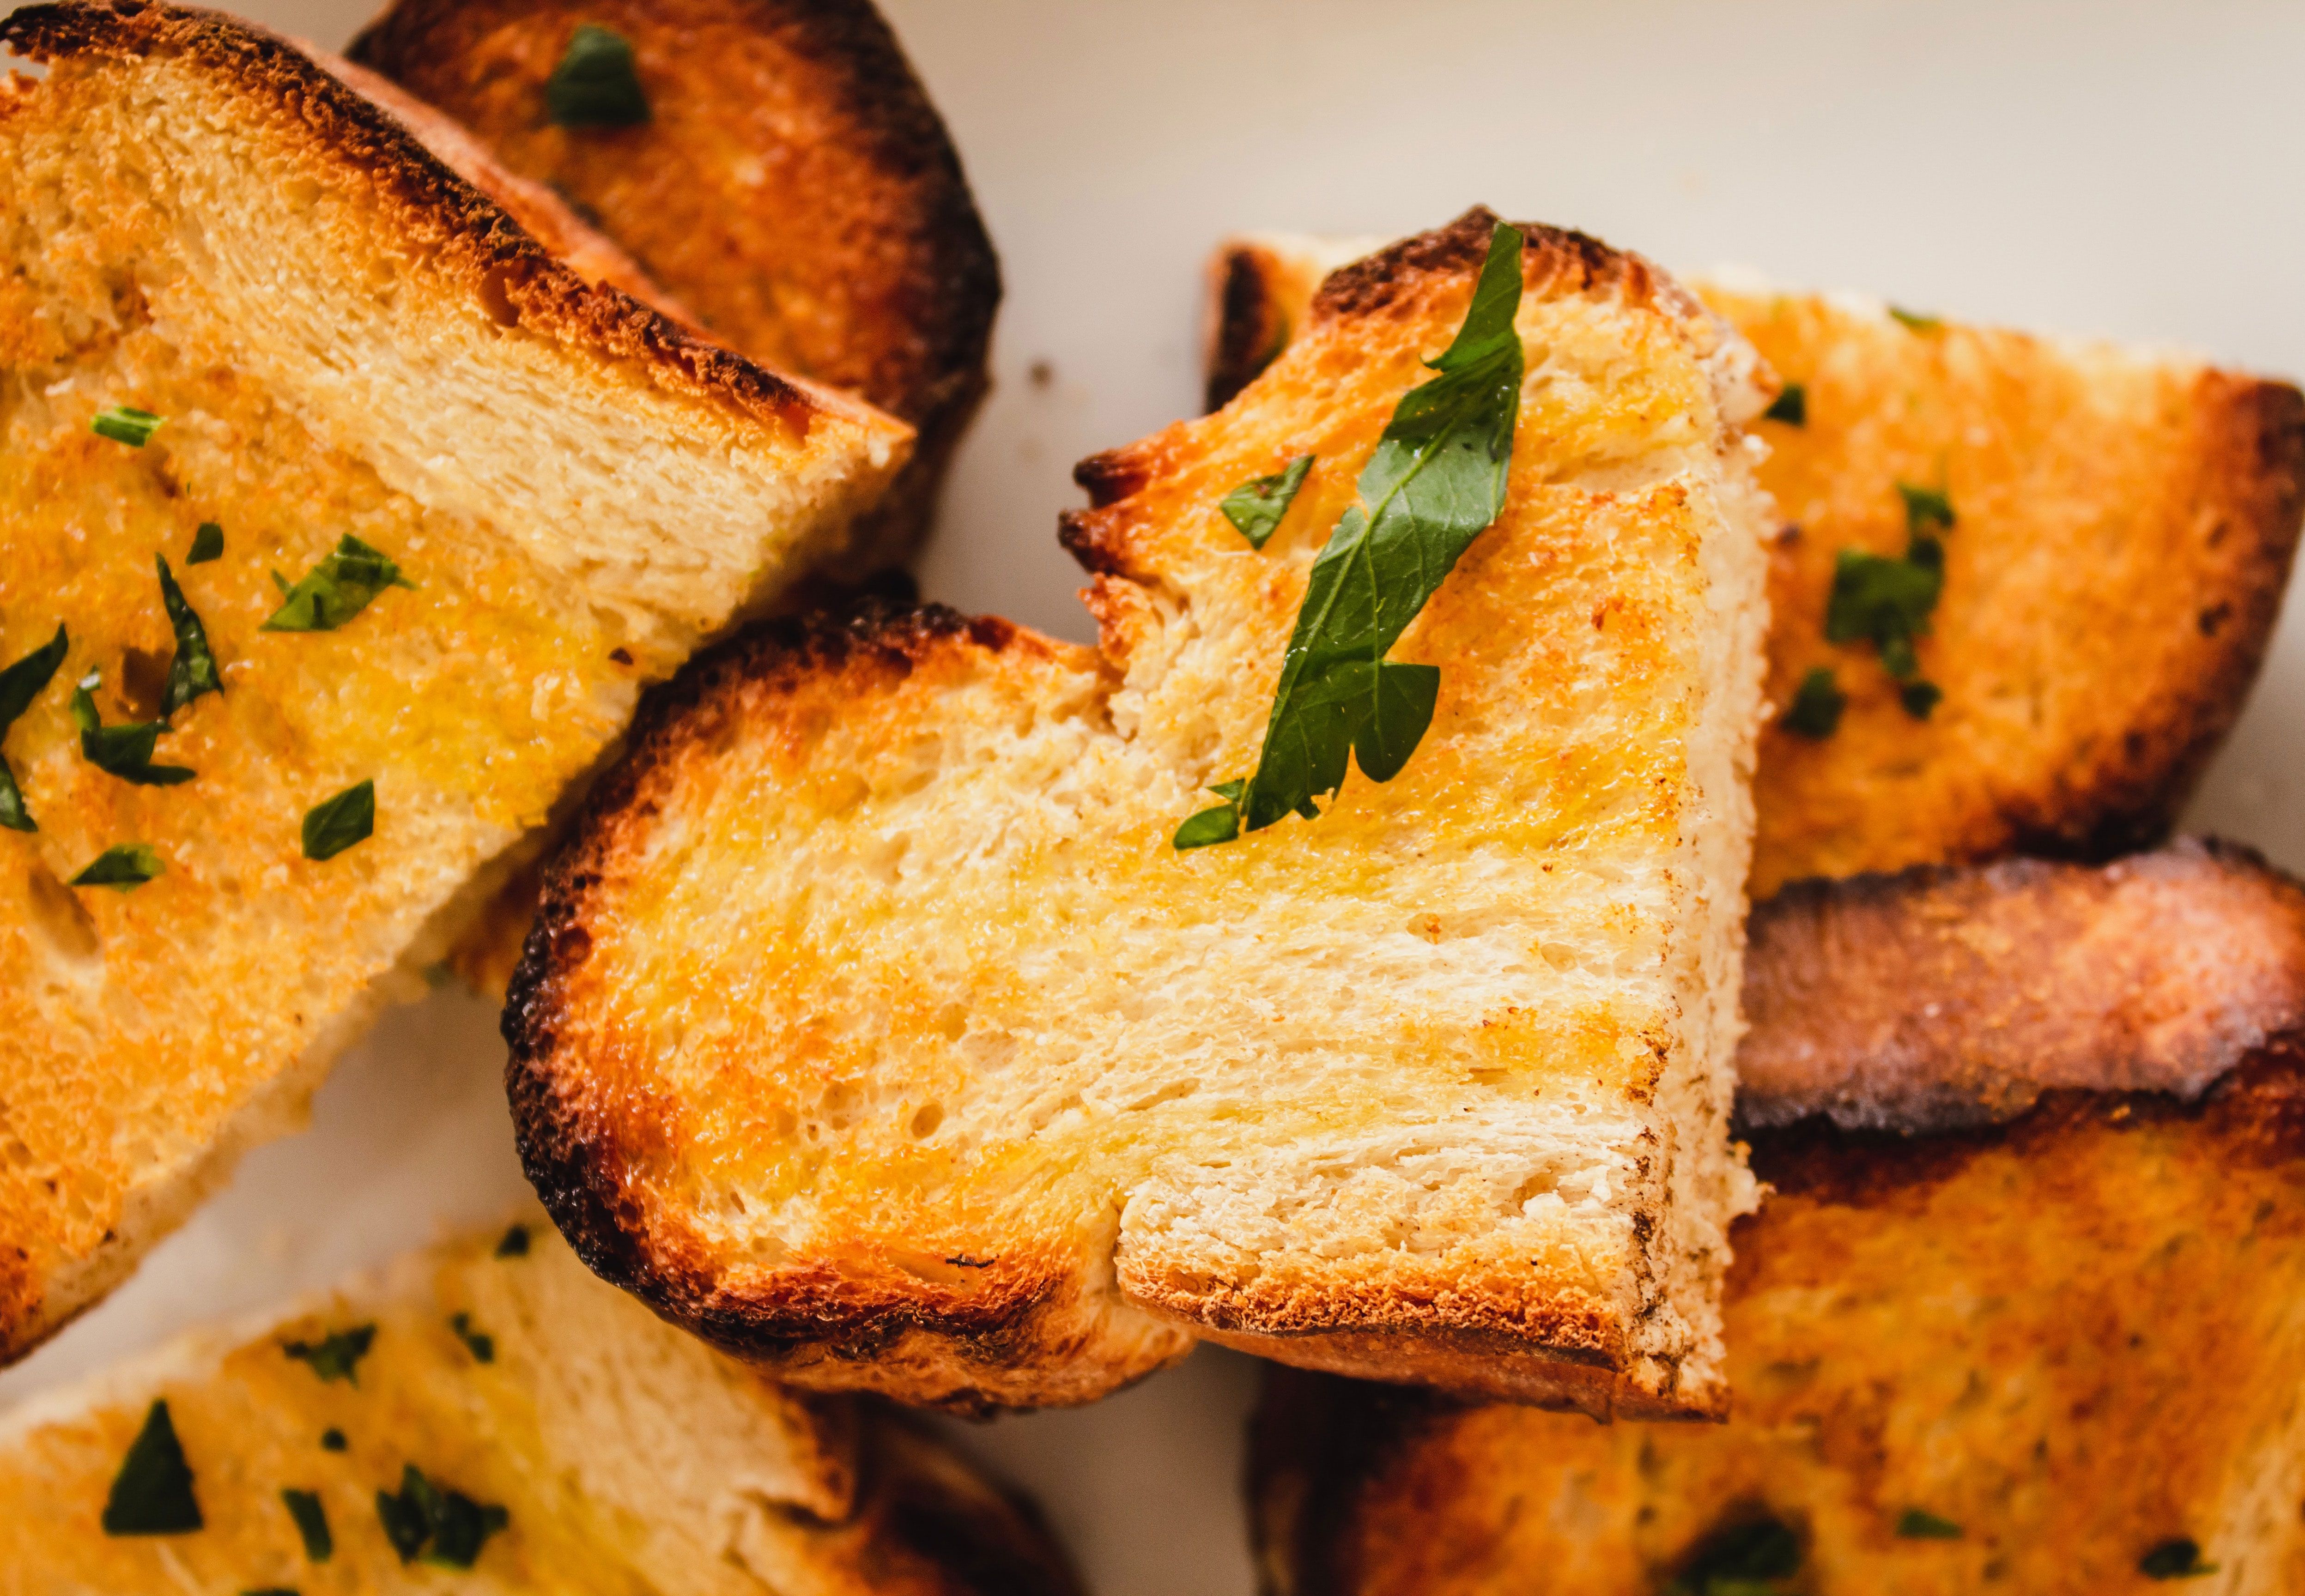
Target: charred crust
(1250, 332)
(984, 1541)
(2255, 1113)
(504, 266)
(1556, 259)
(1317, 1445)
(1092, 541)
(1111, 476)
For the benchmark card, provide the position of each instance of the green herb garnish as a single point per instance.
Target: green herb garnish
(335, 824)
(1915, 321)
(208, 544)
(515, 1243)
(1816, 706)
(194, 670)
(1436, 481)
(448, 1528)
(125, 425)
(1212, 826)
(1886, 600)
(152, 1494)
(482, 1347)
(335, 1355)
(1791, 406)
(311, 1523)
(124, 750)
(1927, 510)
(2178, 1559)
(1919, 698)
(1255, 507)
(332, 1439)
(20, 684)
(1918, 1524)
(595, 85)
(341, 586)
(123, 867)
(1743, 1559)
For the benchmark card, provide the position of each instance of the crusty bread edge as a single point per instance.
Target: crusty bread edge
(481, 246)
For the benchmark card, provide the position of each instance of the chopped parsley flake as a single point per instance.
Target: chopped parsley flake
(194, 670)
(341, 585)
(1918, 1524)
(595, 85)
(332, 1439)
(123, 424)
(335, 1355)
(311, 1523)
(123, 867)
(515, 1243)
(482, 1347)
(124, 750)
(152, 1494)
(1257, 506)
(1791, 406)
(20, 684)
(447, 1528)
(208, 544)
(1816, 706)
(335, 824)
(2177, 1559)
(1927, 510)
(1915, 321)
(1919, 698)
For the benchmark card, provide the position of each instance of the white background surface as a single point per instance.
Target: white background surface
(2103, 169)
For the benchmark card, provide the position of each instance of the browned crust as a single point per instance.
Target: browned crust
(2249, 469)
(476, 241)
(1249, 331)
(1944, 997)
(933, 1525)
(927, 365)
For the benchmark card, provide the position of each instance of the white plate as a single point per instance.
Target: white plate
(2075, 167)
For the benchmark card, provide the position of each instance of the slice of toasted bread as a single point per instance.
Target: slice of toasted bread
(341, 340)
(2031, 1353)
(873, 1027)
(792, 187)
(2125, 521)
(625, 1457)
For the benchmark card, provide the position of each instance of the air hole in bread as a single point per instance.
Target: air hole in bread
(925, 1122)
(495, 295)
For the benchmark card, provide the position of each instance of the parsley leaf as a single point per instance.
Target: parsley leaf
(482, 1347)
(1742, 1559)
(1915, 321)
(1927, 510)
(124, 750)
(2177, 1559)
(448, 1528)
(1816, 706)
(1919, 698)
(193, 671)
(152, 1494)
(335, 824)
(1435, 482)
(1918, 1524)
(595, 85)
(1791, 406)
(1886, 600)
(1255, 507)
(208, 544)
(20, 684)
(311, 1523)
(332, 1439)
(335, 1355)
(122, 424)
(341, 585)
(1212, 826)
(123, 867)
(515, 1243)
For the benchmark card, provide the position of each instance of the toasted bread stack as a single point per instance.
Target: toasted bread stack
(2021, 1311)
(1552, 735)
